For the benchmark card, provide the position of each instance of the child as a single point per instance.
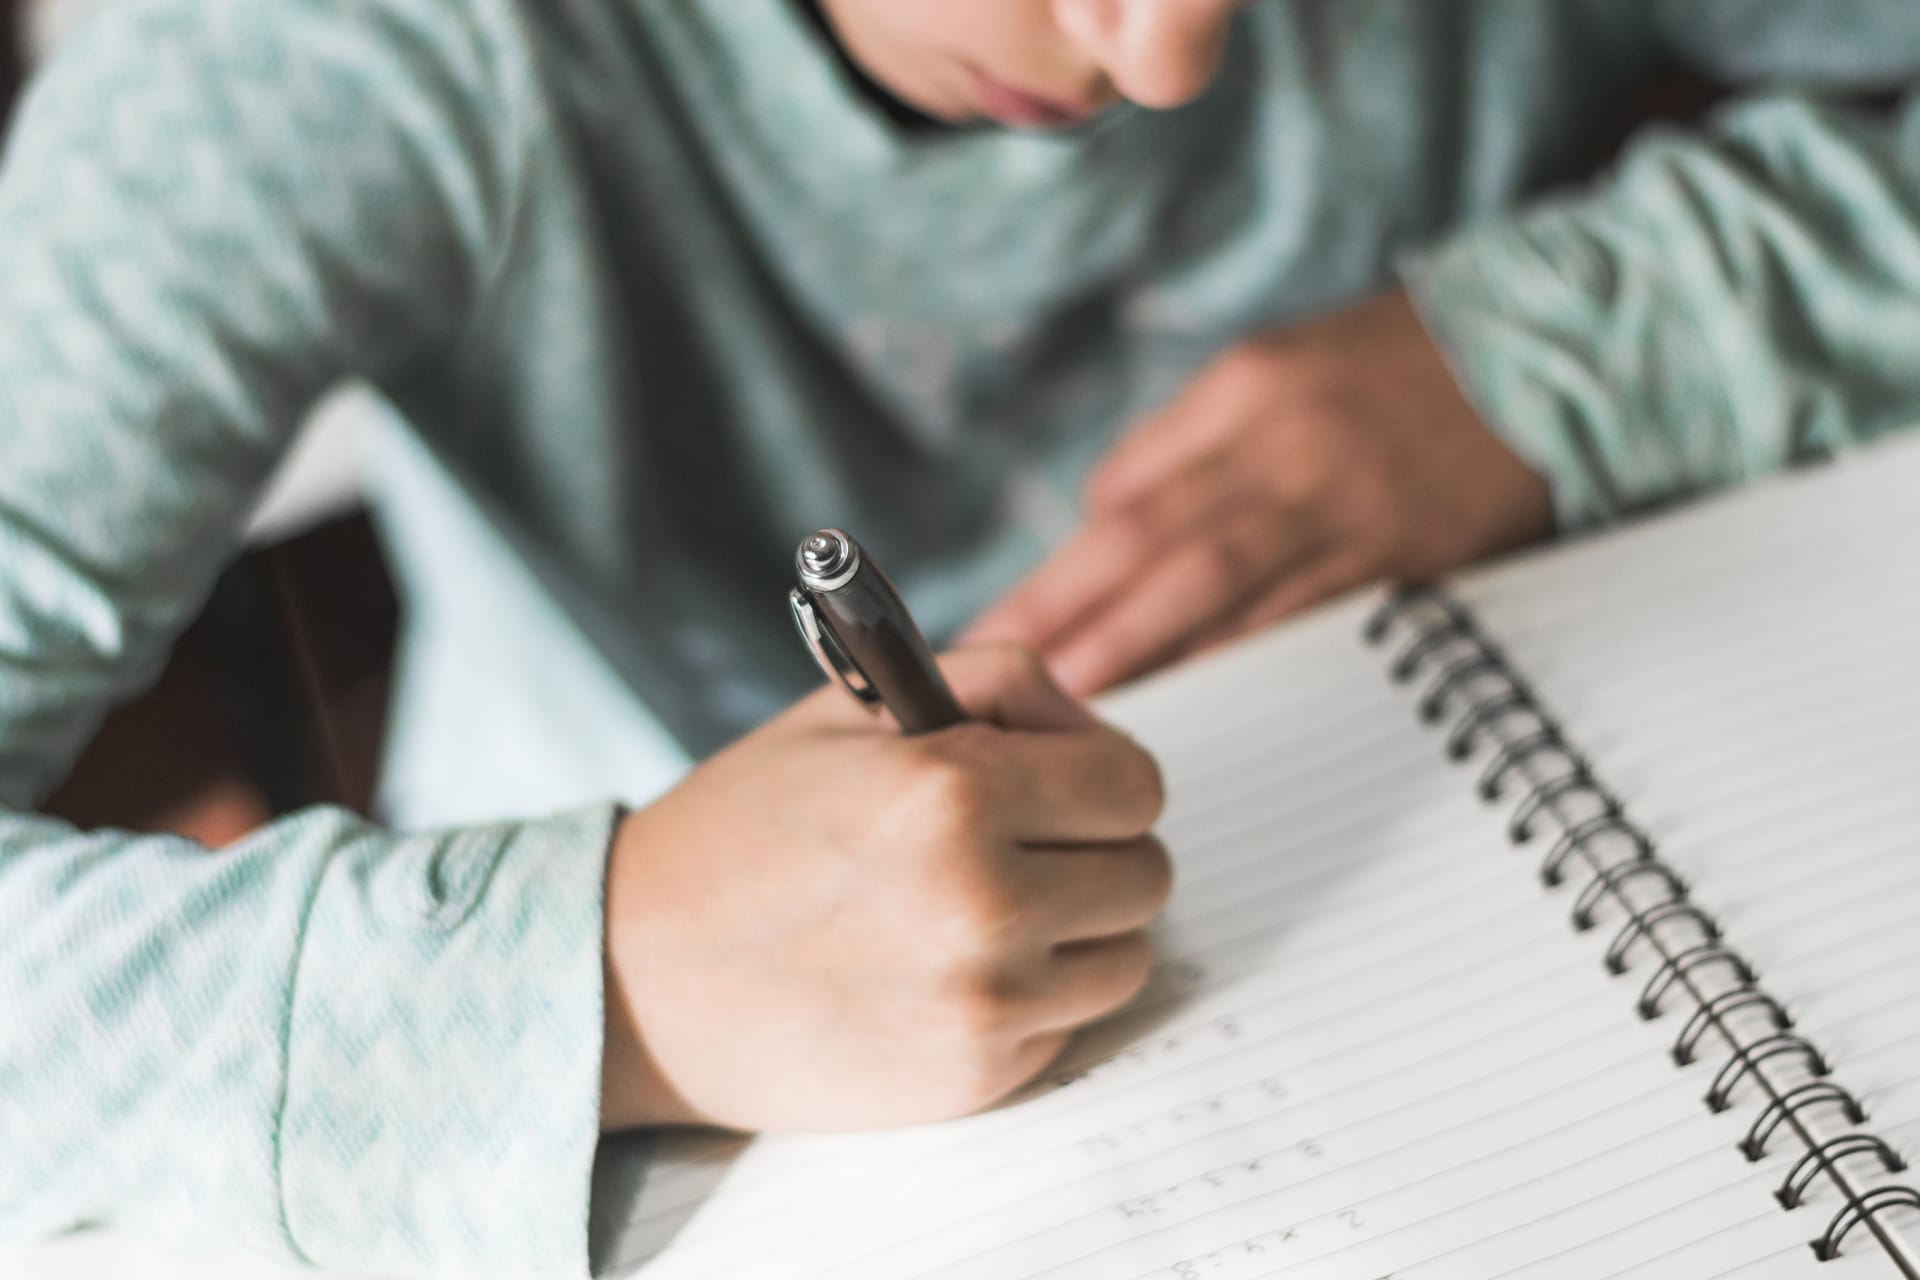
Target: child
(662, 284)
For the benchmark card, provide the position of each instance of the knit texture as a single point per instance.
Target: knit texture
(660, 291)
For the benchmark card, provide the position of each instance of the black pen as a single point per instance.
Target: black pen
(860, 632)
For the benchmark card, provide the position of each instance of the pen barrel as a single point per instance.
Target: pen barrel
(873, 627)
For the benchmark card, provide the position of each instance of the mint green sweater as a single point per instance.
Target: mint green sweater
(661, 291)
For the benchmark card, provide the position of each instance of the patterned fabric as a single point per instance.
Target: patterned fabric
(660, 292)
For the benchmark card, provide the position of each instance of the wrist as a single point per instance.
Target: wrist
(634, 1091)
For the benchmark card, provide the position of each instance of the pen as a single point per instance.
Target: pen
(860, 633)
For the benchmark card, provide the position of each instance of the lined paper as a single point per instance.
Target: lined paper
(1373, 1046)
(1748, 677)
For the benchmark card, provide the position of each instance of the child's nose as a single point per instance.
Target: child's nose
(1158, 53)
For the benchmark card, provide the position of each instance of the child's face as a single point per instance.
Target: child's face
(1035, 63)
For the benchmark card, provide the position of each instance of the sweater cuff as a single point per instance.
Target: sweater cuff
(1582, 353)
(443, 1052)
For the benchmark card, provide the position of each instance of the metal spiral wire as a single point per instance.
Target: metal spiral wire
(1472, 687)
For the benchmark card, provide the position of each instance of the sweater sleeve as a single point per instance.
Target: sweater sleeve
(1728, 300)
(329, 1043)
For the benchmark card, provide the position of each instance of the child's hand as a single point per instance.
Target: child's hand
(1294, 467)
(830, 926)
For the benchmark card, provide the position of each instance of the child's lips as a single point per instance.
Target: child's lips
(1011, 106)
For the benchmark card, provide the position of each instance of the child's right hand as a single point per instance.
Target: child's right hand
(831, 926)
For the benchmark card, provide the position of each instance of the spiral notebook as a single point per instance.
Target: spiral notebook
(1560, 922)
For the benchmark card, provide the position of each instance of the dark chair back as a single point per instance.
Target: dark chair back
(13, 58)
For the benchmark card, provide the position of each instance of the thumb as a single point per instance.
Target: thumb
(1008, 685)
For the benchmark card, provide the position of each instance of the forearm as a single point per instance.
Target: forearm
(324, 1042)
(1725, 303)
(367, 1051)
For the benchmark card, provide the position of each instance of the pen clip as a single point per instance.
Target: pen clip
(826, 650)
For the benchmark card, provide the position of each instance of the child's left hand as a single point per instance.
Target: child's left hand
(1295, 466)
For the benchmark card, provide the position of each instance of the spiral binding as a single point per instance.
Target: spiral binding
(1473, 682)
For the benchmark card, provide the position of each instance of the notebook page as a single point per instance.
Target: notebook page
(1747, 676)
(1371, 1048)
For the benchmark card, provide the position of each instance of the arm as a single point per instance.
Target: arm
(387, 1053)
(326, 1042)
(1725, 302)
